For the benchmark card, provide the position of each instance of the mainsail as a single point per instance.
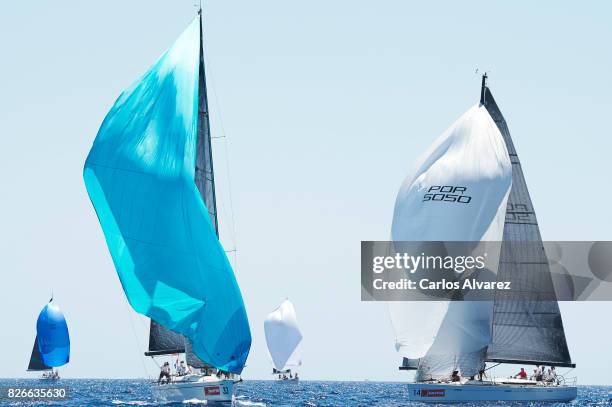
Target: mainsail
(52, 344)
(527, 323)
(162, 341)
(36, 361)
(283, 336)
(471, 156)
(149, 176)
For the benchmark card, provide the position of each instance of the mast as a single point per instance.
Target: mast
(204, 171)
(483, 89)
(204, 174)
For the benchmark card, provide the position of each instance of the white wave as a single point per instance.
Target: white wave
(130, 403)
(248, 403)
(195, 401)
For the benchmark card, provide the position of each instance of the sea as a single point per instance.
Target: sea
(113, 393)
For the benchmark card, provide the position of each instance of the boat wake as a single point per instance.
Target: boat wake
(237, 402)
(196, 402)
(248, 403)
(241, 401)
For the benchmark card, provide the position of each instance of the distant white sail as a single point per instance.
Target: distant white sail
(283, 336)
(458, 192)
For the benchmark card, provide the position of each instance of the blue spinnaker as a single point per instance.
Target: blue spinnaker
(140, 177)
(52, 336)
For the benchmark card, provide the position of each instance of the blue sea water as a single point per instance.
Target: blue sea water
(85, 392)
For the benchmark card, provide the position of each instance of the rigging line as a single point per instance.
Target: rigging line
(226, 148)
(213, 87)
(135, 336)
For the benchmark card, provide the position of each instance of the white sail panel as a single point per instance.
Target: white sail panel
(416, 324)
(470, 160)
(283, 335)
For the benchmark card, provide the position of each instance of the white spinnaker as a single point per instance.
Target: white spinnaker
(283, 335)
(471, 154)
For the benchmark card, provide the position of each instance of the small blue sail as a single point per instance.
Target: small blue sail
(140, 177)
(52, 339)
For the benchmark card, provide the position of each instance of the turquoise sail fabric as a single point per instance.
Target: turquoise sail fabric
(140, 177)
(52, 336)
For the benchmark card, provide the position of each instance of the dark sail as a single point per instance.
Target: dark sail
(409, 364)
(192, 359)
(36, 362)
(204, 173)
(527, 324)
(161, 340)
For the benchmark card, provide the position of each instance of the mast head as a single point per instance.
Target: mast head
(483, 89)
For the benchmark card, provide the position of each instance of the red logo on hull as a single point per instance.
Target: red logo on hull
(432, 393)
(212, 391)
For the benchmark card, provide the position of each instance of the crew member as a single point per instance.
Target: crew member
(164, 373)
(182, 369)
(522, 374)
(552, 375)
(481, 372)
(537, 373)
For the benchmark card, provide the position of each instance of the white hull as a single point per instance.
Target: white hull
(50, 376)
(487, 391)
(195, 387)
(294, 380)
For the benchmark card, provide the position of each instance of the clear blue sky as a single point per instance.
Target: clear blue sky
(325, 106)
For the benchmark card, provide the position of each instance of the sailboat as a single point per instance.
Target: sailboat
(447, 343)
(283, 337)
(150, 177)
(52, 342)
